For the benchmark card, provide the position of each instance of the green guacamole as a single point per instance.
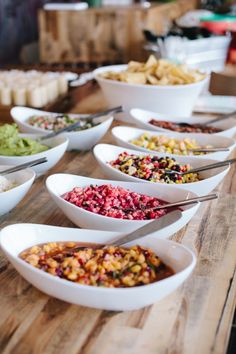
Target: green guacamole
(11, 144)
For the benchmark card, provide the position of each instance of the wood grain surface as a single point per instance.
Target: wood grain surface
(98, 35)
(195, 319)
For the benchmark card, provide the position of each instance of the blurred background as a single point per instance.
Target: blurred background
(21, 26)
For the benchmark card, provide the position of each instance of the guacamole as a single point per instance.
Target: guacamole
(11, 144)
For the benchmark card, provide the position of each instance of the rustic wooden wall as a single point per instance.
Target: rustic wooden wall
(103, 34)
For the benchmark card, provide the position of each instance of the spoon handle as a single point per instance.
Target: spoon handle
(209, 167)
(23, 166)
(220, 118)
(209, 149)
(151, 227)
(77, 124)
(190, 201)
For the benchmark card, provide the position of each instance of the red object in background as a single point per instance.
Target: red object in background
(219, 27)
(232, 48)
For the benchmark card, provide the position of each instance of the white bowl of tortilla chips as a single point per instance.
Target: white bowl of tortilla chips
(157, 85)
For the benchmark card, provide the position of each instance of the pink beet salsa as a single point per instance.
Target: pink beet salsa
(115, 202)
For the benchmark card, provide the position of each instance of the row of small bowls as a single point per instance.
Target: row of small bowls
(81, 140)
(182, 260)
(177, 256)
(105, 153)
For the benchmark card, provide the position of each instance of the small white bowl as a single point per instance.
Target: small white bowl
(123, 136)
(170, 99)
(105, 153)
(57, 145)
(23, 180)
(142, 117)
(59, 184)
(16, 238)
(78, 140)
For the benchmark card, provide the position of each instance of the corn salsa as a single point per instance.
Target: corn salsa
(165, 144)
(94, 265)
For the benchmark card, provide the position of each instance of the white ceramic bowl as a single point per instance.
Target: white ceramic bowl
(23, 180)
(16, 238)
(105, 153)
(123, 135)
(81, 140)
(176, 99)
(57, 149)
(59, 184)
(142, 117)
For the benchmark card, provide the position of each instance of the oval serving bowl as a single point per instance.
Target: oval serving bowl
(57, 145)
(81, 140)
(170, 99)
(123, 136)
(105, 153)
(142, 117)
(16, 238)
(59, 184)
(23, 180)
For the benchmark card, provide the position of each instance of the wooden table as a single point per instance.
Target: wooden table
(195, 319)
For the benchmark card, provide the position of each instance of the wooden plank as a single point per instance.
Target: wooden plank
(194, 319)
(112, 34)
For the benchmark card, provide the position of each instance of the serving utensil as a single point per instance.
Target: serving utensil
(180, 203)
(216, 149)
(73, 126)
(215, 120)
(154, 226)
(158, 224)
(23, 166)
(162, 222)
(221, 117)
(202, 168)
(151, 227)
(189, 201)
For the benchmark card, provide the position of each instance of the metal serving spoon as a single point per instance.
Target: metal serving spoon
(73, 126)
(155, 225)
(180, 203)
(215, 120)
(23, 166)
(221, 117)
(216, 149)
(160, 223)
(151, 227)
(202, 168)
